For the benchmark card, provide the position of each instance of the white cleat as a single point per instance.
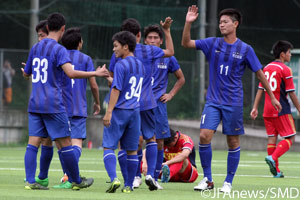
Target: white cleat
(137, 182)
(226, 187)
(159, 187)
(204, 184)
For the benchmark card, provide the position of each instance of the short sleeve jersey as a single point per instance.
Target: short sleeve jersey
(281, 82)
(227, 63)
(162, 68)
(184, 142)
(147, 55)
(44, 64)
(129, 80)
(80, 62)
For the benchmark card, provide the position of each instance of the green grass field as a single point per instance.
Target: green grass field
(253, 177)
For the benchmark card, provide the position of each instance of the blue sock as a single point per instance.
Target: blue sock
(65, 171)
(30, 162)
(122, 157)
(140, 157)
(69, 159)
(45, 160)
(110, 162)
(77, 151)
(151, 157)
(132, 164)
(232, 163)
(205, 154)
(159, 162)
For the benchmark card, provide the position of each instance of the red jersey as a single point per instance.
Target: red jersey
(281, 82)
(184, 142)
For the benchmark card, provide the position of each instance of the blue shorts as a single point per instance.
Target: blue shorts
(231, 117)
(147, 123)
(162, 129)
(78, 127)
(125, 127)
(55, 125)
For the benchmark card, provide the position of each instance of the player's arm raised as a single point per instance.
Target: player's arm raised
(71, 73)
(191, 16)
(261, 77)
(166, 26)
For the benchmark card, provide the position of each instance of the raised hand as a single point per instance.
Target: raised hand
(192, 14)
(167, 23)
(102, 71)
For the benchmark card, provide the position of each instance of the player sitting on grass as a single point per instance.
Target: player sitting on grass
(281, 81)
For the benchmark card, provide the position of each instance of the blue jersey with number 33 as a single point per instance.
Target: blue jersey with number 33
(227, 63)
(44, 63)
(128, 78)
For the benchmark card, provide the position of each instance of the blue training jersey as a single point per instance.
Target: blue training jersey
(147, 55)
(227, 63)
(80, 62)
(162, 68)
(129, 80)
(67, 95)
(44, 64)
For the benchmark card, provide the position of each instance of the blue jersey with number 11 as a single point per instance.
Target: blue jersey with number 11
(44, 63)
(227, 63)
(128, 78)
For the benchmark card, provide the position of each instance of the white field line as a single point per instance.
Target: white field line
(119, 172)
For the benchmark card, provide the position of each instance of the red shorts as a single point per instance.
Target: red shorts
(283, 125)
(189, 175)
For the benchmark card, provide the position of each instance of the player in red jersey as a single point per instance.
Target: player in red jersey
(281, 82)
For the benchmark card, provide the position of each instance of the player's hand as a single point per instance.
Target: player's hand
(24, 64)
(165, 163)
(107, 118)
(166, 97)
(276, 104)
(102, 71)
(254, 113)
(167, 23)
(192, 14)
(144, 169)
(97, 109)
(26, 76)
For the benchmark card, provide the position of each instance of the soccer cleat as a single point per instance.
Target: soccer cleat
(165, 176)
(64, 185)
(159, 187)
(279, 175)
(44, 182)
(114, 185)
(64, 178)
(226, 187)
(35, 186)
(137, 182)
(151, 183)
(269, 160)
(204, 184)
(127, 189)
(84, 184)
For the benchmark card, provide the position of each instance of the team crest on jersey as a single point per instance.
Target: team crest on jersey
(237, 55)
(161, 66)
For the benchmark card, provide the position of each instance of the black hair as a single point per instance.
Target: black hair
(170, 139)
(281, 46)
(131, 25)
(42, 25)
(153, 28)
(71, 38)
(55, 21)
(233, 13)
(125, 37)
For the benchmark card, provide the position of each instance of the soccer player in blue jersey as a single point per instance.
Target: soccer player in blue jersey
(122, 117)
(228, 57)
(162, 67)
(46, 63)
(147, 54)
(77, 104)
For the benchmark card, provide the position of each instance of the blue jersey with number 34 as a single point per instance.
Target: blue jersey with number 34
(128, 79)
(227, 63)
(44, 64)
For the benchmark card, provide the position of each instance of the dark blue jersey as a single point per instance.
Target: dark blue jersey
(161, 69)
(44, 64)
(147, 55)
(129, 80)
(227, 63)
